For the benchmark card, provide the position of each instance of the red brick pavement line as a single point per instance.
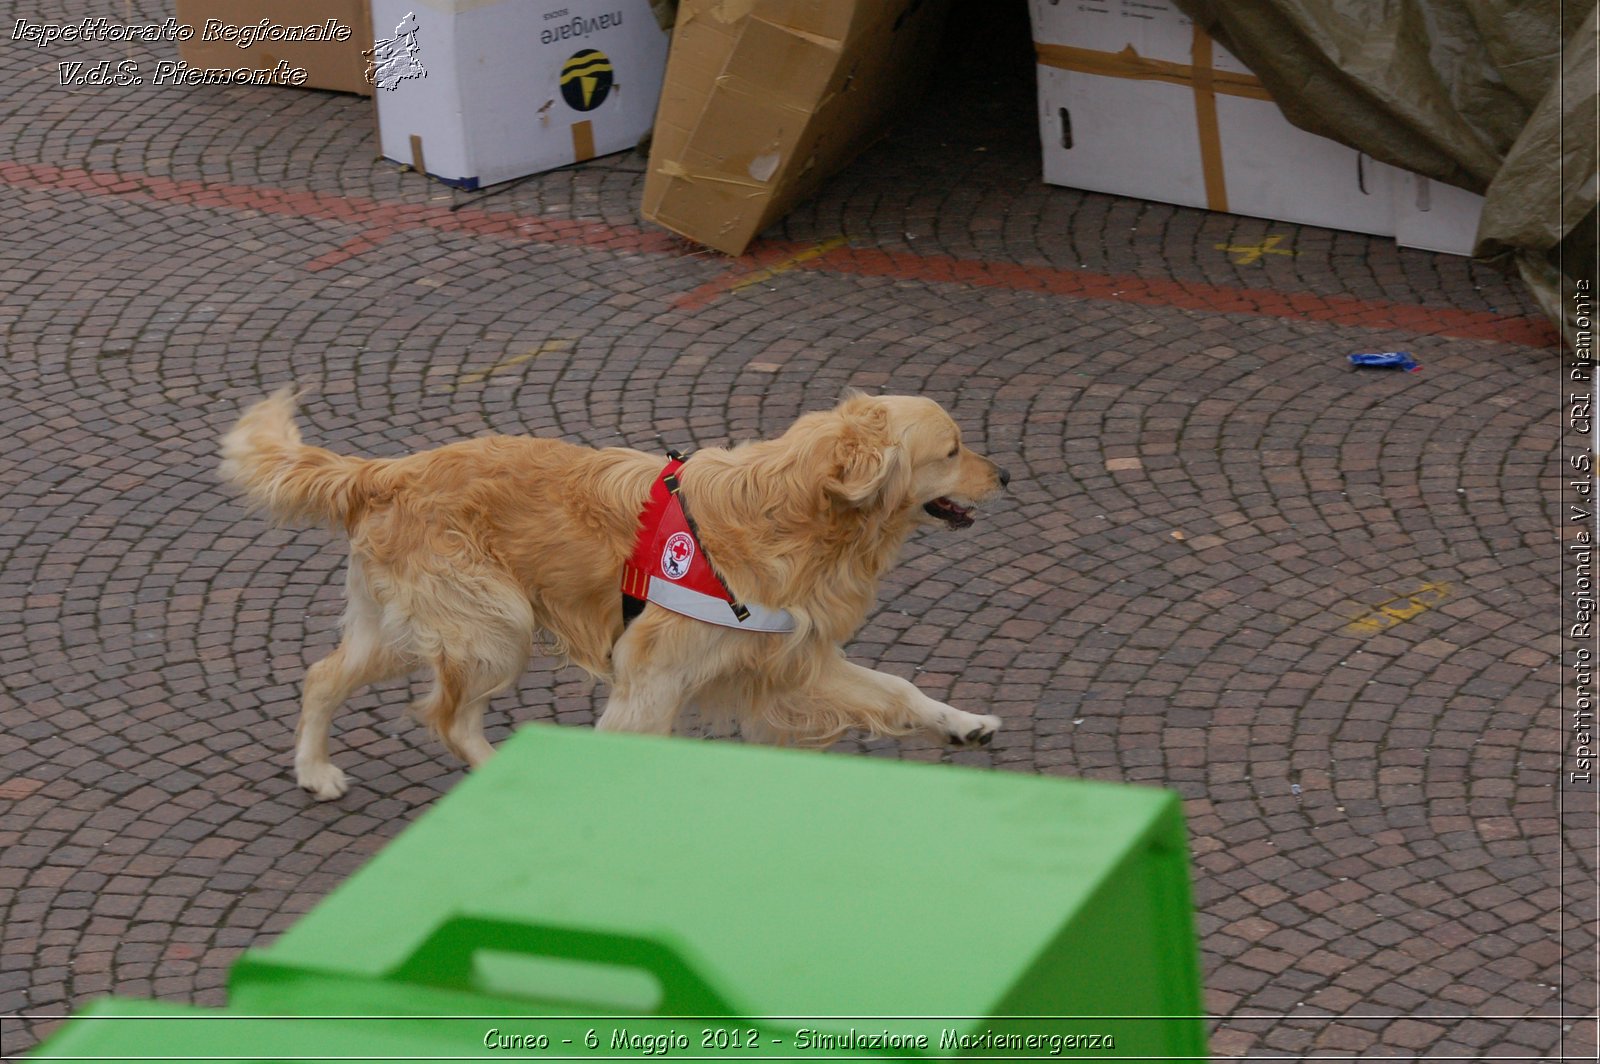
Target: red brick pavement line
(381, 219)
(384, 219)
(767, 259)
(1188, 295)
(350, 249)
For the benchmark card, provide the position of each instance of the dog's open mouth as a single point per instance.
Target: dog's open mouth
(950, 512)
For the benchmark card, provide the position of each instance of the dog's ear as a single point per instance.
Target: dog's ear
(866, 474)
(867, 465)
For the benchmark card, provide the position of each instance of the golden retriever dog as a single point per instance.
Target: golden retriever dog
(462, 557)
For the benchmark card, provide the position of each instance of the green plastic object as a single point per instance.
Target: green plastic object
(629, 896)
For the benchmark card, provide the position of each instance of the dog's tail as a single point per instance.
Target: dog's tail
(263, 457)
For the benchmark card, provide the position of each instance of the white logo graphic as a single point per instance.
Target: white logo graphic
(677, 556)
(393, 61)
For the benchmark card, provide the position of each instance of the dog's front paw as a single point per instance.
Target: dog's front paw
(326, 781)
(975, 730)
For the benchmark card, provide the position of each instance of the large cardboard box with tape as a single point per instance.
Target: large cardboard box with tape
(1136, 100)
(1434, 216)
(765, 99)
(475, 92)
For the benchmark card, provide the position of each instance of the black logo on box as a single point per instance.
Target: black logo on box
(586, 79)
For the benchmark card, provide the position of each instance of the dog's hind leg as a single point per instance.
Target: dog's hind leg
(460, 696)
(479, 634)
(364, 656)
(357, 662)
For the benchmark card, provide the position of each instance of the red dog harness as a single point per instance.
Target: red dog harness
(670, 567)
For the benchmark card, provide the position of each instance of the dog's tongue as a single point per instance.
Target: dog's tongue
(956, 516)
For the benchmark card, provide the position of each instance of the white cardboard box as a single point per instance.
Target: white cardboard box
(475, 92)
(1133, 101)
(1434, 216)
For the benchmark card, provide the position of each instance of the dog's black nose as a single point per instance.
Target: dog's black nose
(1005, 478)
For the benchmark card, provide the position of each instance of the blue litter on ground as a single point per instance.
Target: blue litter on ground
(1386, 360)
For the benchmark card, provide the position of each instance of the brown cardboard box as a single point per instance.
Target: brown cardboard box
(764, 99)
(329, 64)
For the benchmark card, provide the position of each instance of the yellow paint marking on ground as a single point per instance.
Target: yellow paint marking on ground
(789, 263)
(1397, 610)
(1249, 253)
(478, 375)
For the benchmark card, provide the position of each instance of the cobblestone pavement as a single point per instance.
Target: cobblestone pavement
(1321, 604)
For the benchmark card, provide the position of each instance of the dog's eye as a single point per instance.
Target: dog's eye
(954, 451)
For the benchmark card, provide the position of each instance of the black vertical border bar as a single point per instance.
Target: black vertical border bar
(1577, 791)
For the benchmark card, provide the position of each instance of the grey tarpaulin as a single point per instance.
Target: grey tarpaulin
(1494, 96)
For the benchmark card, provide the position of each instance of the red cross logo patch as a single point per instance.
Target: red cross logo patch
(677, 555)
